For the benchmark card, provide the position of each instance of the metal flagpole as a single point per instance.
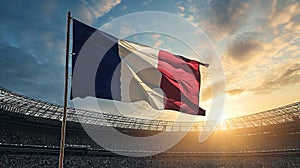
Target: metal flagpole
(64, 121)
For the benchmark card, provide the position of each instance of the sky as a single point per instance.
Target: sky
(258, 43)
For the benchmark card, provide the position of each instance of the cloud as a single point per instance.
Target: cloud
(293, 26)
(32, 44)
(147, 2)
(99, 8)
(157, 44)
(274, 2)
(206, 94)
(212, 91)
(235, 91)
(124, 7)
(278, 77)
(155, 36)
(181, 8)
(227, 15)
(256, 62)
(279, 44)
(126, 30)
(24, 73)
(258, 48)
(243, 50)
(220, 19)
(158, 40)
(191, 18)
(284, 15)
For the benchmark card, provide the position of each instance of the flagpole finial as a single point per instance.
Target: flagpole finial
(204, 64)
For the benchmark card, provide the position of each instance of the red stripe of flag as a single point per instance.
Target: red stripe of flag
(180, 83)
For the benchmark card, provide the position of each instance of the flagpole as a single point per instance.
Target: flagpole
(204, 64)
(64, 121)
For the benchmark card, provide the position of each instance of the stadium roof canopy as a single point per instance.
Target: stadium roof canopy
(17, 103)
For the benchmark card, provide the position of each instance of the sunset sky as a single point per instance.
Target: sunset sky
(258, 43)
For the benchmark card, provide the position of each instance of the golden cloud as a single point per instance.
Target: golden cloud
(242, 51)
(284, 15)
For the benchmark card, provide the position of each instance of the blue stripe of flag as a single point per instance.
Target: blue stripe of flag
(106, 86)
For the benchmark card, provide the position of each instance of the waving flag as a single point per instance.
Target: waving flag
(130, 72)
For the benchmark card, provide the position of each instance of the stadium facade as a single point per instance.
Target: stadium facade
(30, 137)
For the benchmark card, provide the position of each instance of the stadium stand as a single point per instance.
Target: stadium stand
(30, 137)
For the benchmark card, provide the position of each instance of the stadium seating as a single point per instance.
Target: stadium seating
(31, 138)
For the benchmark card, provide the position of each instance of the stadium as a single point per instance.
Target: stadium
(30, 137)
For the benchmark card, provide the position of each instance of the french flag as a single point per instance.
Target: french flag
(128, 72)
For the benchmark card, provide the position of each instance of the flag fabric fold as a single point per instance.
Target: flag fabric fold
(128, 72)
